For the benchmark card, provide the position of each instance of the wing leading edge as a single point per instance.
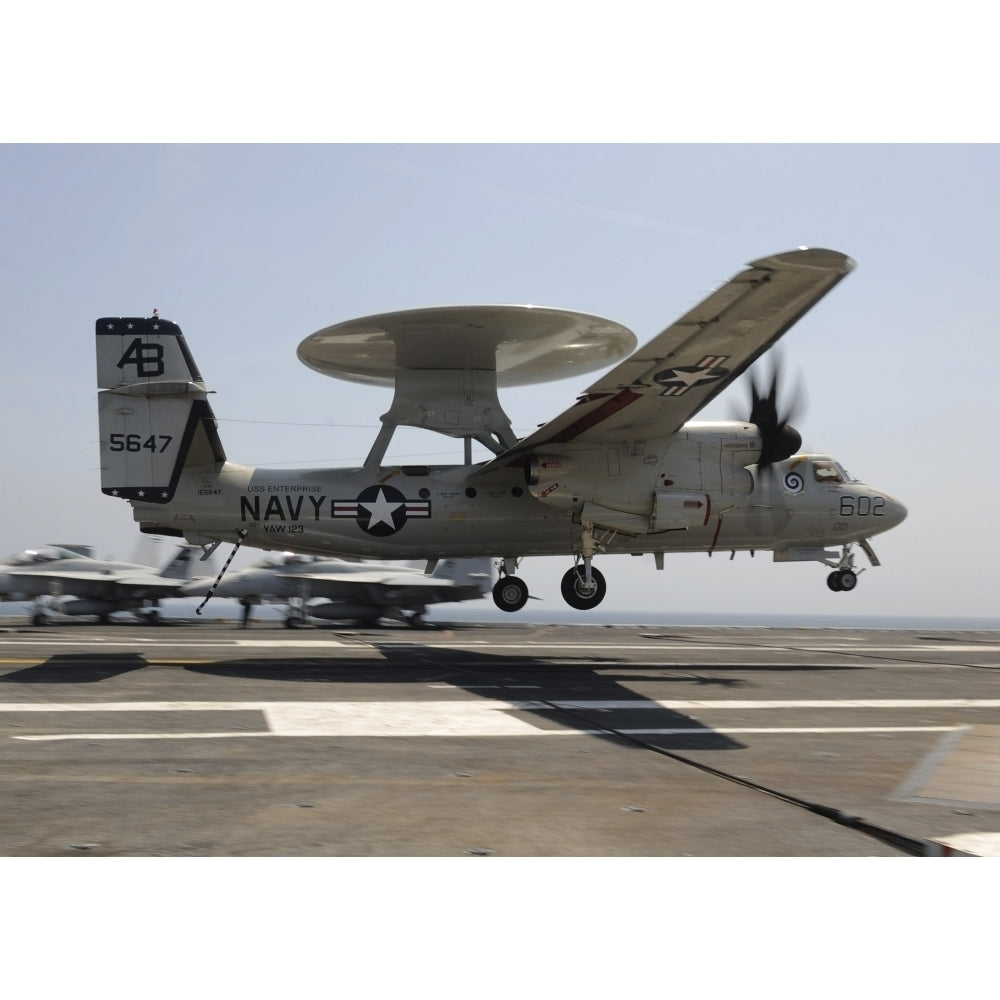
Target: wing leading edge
(666, 382)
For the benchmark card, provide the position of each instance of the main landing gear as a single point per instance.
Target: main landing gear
(583, 587)
(295, 613)
(580, 593)
(510, 593)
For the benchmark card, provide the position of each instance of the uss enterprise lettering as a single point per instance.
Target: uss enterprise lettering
(379, 510)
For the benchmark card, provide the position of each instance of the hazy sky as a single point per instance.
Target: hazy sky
(252, 248)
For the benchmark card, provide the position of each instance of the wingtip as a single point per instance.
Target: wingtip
(817, 258)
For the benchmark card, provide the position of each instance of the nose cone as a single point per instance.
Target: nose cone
(894, 512)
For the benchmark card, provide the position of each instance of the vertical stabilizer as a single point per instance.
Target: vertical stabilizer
(153, 409)
(472, 573)
(181, 565)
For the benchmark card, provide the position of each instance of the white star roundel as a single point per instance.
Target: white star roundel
(381, 510)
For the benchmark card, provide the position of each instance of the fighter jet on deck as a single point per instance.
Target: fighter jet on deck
(69, 580)
(347, 590)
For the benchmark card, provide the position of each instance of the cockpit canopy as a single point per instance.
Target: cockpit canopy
(826, 470)
(47, 554)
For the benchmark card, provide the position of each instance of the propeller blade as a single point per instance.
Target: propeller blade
(779, 439)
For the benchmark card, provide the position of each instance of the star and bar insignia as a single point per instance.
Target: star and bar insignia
(677, 381)
(381, 510)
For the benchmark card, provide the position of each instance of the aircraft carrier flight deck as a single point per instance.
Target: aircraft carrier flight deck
(481, 740)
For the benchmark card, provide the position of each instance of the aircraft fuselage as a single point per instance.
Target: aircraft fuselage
(431, 512)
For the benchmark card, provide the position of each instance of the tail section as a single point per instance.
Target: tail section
(181, 566)
(153, 409)
(473, 573)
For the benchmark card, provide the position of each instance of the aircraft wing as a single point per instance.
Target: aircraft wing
(666, 382)
(394, 588)
(85, 583)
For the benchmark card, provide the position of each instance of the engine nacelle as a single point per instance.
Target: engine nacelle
(552, 478)
(641, 487)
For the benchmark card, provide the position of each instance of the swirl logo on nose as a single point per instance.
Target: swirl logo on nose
(793, 482)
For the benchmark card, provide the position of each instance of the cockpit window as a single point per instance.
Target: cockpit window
(827, 472)
(33, 557)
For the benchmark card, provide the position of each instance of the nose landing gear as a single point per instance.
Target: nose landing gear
(842, 579)
(845, 576)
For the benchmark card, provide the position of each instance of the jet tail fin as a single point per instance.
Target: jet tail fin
(181, 566)
(153, 409)
(476, 573)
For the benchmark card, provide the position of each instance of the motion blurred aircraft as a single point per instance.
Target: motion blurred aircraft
(349, 591)
(70, 581)
(624, 469)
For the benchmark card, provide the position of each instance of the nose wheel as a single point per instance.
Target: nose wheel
(842, 580)
(845, 577)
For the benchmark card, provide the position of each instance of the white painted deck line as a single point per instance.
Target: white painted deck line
(665, 646)
(317, 727)
(492, 705)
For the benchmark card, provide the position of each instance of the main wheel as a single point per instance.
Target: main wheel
(510, 593)
(577, 594)
(833, 580)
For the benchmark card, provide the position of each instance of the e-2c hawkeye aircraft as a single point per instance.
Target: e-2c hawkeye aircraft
(624, 469)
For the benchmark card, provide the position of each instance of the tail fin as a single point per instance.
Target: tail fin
(181, 566)
(153, 409)
(476, 573)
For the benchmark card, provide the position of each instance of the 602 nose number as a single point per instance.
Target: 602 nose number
(134, 442)
(862, 506)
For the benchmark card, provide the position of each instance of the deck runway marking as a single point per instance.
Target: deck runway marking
(304, 729)
(478, 716)
(192, 643)
(797, 647)
(146, 645)
(964, 770)
(477, 644)
(492, 705)
(688, 705)
(297, 644)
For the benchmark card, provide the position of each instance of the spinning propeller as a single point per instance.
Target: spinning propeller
(779, 439)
